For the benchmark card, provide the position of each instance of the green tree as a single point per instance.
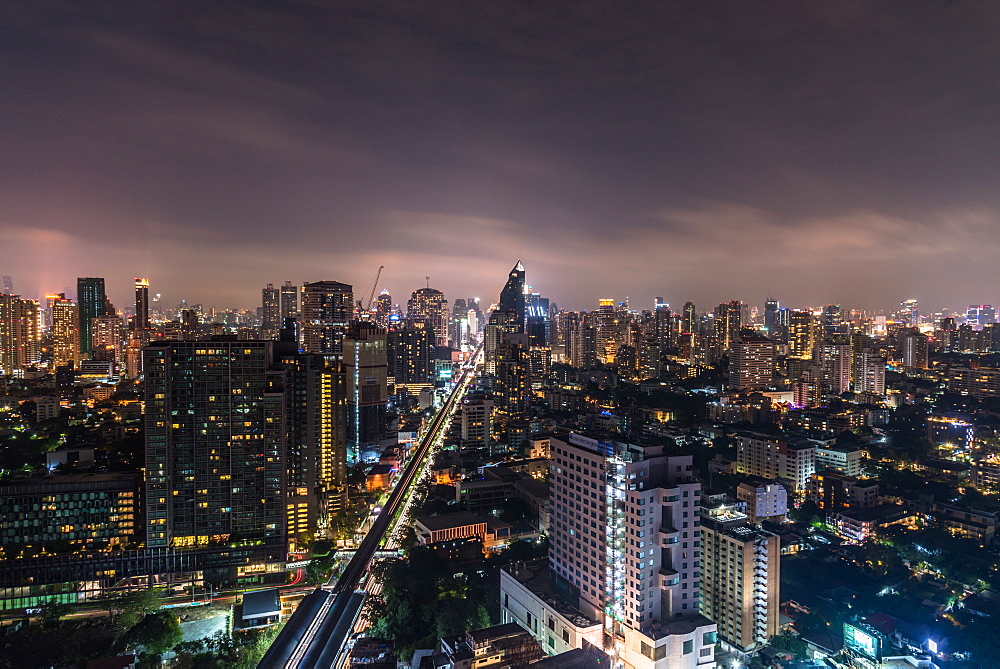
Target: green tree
(790, 642)
(53, 611)
(156, 633)
(128, 608)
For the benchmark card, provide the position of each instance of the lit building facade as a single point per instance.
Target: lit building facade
(751, 362)
(430, 305)
(215, 444)
(65, 331)
(20, 334)
(91, 301)
(625, 536)
(771, 457)
(741, 578)
(327, 309)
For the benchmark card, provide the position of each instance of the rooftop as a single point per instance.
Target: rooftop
(536, 577)
(451, 520)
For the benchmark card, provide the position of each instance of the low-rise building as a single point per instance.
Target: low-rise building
(967, 522)
(859, 525)
(847, 461)
(504, 645)
(529, 597)
(831, 490)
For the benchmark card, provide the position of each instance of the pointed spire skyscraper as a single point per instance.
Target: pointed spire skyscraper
(512, 295)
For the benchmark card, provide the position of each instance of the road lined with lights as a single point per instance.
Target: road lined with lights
(316, 634)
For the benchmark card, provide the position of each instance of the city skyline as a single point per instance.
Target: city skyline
(823, 154)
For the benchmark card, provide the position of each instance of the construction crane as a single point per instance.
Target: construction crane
(371, 295)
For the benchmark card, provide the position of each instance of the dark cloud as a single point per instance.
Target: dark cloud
(822, 152)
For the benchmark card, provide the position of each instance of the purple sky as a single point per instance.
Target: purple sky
(820, 151)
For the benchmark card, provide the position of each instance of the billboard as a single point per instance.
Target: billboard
(866, 642)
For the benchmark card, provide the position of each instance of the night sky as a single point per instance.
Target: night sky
(817, 151)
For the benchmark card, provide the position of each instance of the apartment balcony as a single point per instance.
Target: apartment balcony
(669, 535)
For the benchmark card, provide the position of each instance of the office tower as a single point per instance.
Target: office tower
(512, 295)
(91, 302)
(945, 335)
(908, 313)
(141, 321)
(914, 349)
(107, 337)
(410, 354)
(771, 317)
(215, 444)
(500, 324)
(316, 428)
(625, 537)
(979, 315)
(831, 320)
(8, 285)
(327, 308)
(728, 321)
(649, 356)
(65, 331)
(289, 301)
(608, 335)
(477, 422)
(801, 334)
(770, 457)
(383, 308)
(367, 367)
(512, 390)
(834, 362)
(537, 322)
(664, 325)
(751, 362)
(20, 336)
(689, 318)
(458, 326)
(741, 582)
(580, 339)
(429, 304)
(270, 312)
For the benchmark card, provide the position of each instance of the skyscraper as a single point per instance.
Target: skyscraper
(751, 362)
(978, 315)
(869, 376)
(771, 307)
(270, 312)
(91, 301)
(502, 322)
(20, 335)
(512, 294)
(625, 537)
(458, 332)
(410, 353)
(141, 321)
(608, 331)
(512, 395)
(801, 334)
(327, 308)
(689, 318)
(835, 367)
(289, 301)
(914, 348)
(215, 444)
(316, 422)
(429, 305)
(366, 366)
(728, 319)
(65, 331)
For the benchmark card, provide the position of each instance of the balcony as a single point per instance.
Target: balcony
(669, 535)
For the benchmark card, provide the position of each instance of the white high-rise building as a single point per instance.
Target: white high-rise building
(625, 539)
